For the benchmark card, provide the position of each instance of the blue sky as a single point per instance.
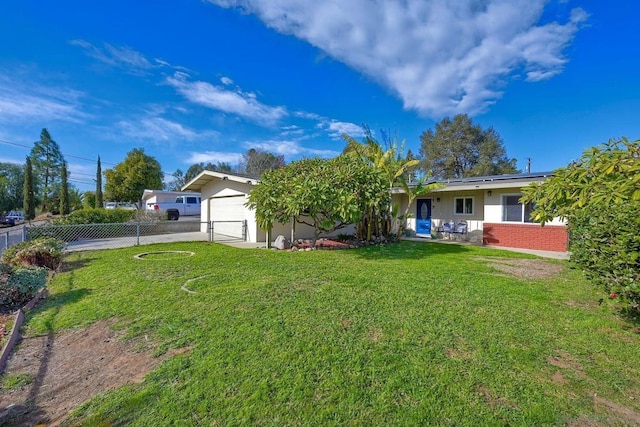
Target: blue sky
(204, 81)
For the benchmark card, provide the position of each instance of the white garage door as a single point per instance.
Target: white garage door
(227, 214)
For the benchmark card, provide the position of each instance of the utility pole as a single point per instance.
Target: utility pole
(529, 165)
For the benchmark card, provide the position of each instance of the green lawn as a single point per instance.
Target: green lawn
(408, 334)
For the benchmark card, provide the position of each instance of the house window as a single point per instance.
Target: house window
(463, 205)
(514, 211)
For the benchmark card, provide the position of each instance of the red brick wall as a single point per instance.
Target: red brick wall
(527, 236)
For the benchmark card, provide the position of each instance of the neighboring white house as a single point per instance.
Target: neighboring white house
(488, 205)
(223, 203)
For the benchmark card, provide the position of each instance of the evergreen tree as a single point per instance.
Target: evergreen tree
(29, 196)
(47, 160)
(64, 193)
(98, 199)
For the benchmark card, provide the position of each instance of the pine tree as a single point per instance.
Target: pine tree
(47, 160)
(99, 201)
(29, 198)
(64, 194)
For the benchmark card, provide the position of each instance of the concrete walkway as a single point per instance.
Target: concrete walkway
(122, 242)
(542, 254)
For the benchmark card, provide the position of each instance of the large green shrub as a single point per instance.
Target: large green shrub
(20, 285)
(41, 252)
(606, 244)
(95, 216)
(599, 195)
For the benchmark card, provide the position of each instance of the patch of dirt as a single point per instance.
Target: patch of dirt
(558, 379)
(6, 320)
(70, 368)
(624, 414)
(565, 361)
(524, 268)
(493, 401)
(375, 334)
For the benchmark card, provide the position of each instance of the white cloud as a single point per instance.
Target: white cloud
(234, 102)
(10, 160)
(336, 129)
(119, 56)
(226, 81)
(440, 57)
(160, 129)
(289, 148)
(214, 157)
(23, 101)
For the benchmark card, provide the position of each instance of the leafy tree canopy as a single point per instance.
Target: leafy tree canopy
(128, 179)
(196, 168)
(257, 162)
(608, 175)
(11, 186)
(389, 157)
(459, 148)
(325, 194)
(599, 195)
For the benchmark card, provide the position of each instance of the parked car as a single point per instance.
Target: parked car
(16, 216)
(6, 221)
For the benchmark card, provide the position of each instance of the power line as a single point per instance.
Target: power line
(65, 155)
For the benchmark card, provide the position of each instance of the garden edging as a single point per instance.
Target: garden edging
(15, 330)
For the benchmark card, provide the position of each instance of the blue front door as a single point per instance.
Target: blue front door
(423, 216)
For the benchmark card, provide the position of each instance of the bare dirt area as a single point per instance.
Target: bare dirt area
(524, 268)
(67, 369)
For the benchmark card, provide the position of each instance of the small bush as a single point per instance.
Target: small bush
(21, 285)
(96, 216)
(41, 252)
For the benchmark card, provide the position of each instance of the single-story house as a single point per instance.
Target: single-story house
(490, 207)
(487, 205)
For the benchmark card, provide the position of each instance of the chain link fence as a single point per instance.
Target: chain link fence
(81, 237)
(11, 236)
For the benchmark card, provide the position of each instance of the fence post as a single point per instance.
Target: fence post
(244, 230)
(6, 240)
(138, 234)
(24, 233)
(211, 239)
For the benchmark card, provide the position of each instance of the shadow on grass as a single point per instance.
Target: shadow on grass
(76, 264)
(410, 250)
(63, 298)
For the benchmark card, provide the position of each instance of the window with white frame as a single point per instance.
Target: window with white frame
(463, 205)
(514, 211)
